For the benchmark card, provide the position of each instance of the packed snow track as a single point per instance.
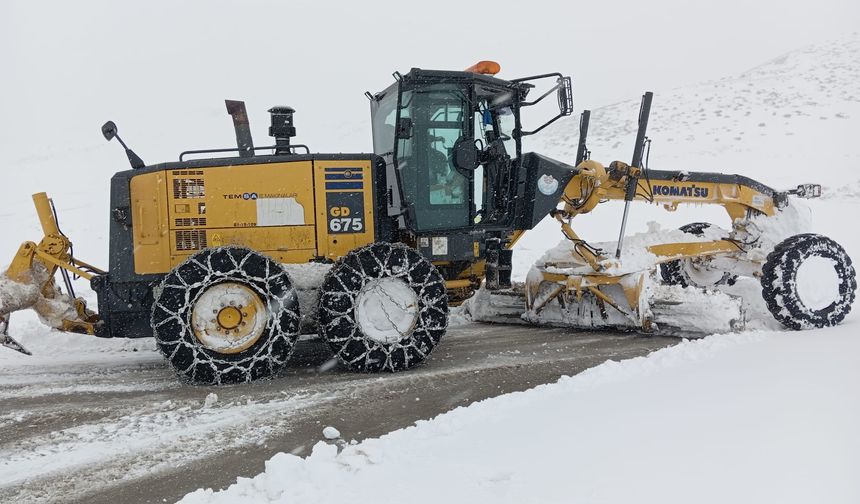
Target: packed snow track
(116, 426)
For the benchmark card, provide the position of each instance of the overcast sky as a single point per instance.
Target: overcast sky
(162, 69)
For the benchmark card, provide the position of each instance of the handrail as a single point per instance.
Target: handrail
(236, 149)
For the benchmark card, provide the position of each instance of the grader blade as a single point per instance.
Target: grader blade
(671, 311)
(505, 306)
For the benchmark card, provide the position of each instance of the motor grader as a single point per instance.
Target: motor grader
(227, 255)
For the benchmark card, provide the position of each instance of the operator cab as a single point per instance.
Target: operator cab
(452, 142)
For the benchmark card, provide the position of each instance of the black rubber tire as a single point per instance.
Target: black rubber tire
(672, 272)
(779, 288)
(337, 320)
(174, 300)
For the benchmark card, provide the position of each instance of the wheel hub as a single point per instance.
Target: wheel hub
(700, 272)
(228, 317)
(817, 282)
(386, 310)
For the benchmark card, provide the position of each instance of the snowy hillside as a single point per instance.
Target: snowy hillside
(787, 121)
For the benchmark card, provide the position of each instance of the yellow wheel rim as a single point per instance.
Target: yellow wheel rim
(229, 317)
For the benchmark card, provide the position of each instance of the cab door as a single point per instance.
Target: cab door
(438, 196)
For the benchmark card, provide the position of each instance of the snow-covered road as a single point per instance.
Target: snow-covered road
(755, 417)
(115, 426)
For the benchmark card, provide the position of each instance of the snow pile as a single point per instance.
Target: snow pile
(15, 295)
(307, 278)
(769, 231)
(719, 309)
(634, 253)
(331, 433)
(676, 426)
(818, 283)
(51, 346)
(851, 190)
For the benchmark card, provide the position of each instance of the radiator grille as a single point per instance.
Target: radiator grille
(187, 188)
(190, 221)
(191, 239)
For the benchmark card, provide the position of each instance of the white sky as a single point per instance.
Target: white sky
(162, 69)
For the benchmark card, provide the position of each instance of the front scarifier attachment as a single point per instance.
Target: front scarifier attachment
(226, 315)
(383, 307)
(28, 282)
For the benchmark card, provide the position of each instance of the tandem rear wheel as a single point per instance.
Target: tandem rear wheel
(226, 315)
(231, 315)
(383, 307)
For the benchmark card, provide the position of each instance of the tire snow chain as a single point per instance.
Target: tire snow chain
(174, 302)
(338, 325)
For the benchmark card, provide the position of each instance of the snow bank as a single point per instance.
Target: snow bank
(634, 253)
(847, 191)
(754, 417)
(52, 347)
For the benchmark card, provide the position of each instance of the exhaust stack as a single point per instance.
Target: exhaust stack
(244, 142)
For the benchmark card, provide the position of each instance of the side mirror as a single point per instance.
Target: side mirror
(464, 154)
(565, 96)
(109, 130)
(404, 128)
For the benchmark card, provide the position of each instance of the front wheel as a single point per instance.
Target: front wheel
(383, 307)
(808, 282)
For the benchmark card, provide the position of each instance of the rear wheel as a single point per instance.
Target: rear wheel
(226, 315)
(695, 271)
(383, 307)
(808, 281)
